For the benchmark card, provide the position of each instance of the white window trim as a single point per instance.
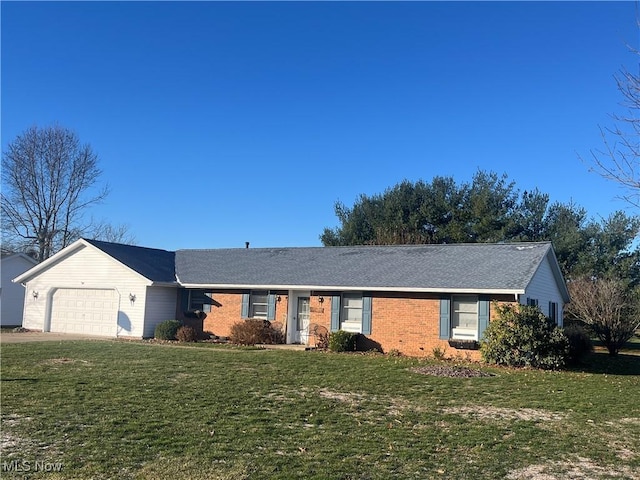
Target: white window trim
(252, 304)
(353, 326)
(464, 333)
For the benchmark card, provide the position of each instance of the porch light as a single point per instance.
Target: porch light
(278, 298)
(132, 298)
(35, 294)
(321, 299)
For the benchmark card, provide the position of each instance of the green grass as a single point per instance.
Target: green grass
(132, 410)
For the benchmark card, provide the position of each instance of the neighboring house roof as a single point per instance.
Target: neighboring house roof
(158, 266)
(22, 256)
(478, 267)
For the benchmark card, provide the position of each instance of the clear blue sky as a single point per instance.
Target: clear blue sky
(219, 123)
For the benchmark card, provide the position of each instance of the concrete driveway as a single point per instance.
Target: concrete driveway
(23, 337)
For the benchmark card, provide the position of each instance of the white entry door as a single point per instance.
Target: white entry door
(302, 320)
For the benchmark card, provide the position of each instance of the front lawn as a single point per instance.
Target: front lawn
(109, 409)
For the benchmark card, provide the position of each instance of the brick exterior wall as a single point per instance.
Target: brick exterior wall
(408, 323)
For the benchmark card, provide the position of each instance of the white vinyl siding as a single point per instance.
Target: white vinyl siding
(464, 317)
(160, 305)
(12, 295)
(543, 289)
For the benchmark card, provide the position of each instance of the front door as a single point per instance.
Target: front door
(302, 320)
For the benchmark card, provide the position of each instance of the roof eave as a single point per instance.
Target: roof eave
(357, 288)
(165, 284)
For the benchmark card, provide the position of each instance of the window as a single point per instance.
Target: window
(532, 302)
(351, 312)
(351, 315)
(196, 300)
(259, 304)
(553, 311)
(464, 317)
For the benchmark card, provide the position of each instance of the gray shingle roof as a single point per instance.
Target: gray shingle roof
(471, 267)
(156, 265)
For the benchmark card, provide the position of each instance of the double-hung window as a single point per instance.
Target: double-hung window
(258, 304)
(351, 312)
(463, 317)
(351, 315)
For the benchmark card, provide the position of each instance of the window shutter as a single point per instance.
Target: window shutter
(366, 315)
(206, 307)
(335, 313)
(483, 315)
(245, 306)
(184, 300)
(445, 318)
(553, 311)
(271, 307)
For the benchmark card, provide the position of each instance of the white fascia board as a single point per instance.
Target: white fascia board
(496, 291)
(164, 284)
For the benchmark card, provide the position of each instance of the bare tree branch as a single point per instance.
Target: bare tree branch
(608, 307)
(619, 159)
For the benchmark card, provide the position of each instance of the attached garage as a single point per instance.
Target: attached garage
(102, 289)
(84, 310)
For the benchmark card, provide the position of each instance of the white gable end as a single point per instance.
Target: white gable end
(543, 289)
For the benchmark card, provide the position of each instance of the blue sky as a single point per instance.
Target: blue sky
(223, 122)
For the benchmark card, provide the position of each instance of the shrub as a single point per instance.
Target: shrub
(439, 352)
(342, 341)
(580, 343)
(186, 334)
(253, 331)
(167, 330)
(522, 336)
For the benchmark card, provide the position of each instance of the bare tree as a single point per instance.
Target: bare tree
(49, 180)
(113, 233)
(608, 306)
(619, 159)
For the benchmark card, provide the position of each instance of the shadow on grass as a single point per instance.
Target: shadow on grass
(29, 380)
(601, 362)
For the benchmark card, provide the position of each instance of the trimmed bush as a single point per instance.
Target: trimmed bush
(187, 334)
(342, 341)
(522, 336)
(580, 343)
(167, 330)
(253, 331)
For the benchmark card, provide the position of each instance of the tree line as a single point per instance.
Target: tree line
(490, 208)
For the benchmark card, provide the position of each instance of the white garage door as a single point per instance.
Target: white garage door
(89, 311)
